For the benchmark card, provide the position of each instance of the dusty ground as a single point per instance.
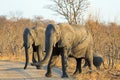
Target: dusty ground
(12, 69)
(102, 74)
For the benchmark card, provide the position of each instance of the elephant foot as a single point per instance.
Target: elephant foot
(65, 75)
(84, 66)
(98, 67)
(76, 73)
(38, 67)
(25, 67)
(48, 74)
(90, 71)
(35, 64)
(34, 61)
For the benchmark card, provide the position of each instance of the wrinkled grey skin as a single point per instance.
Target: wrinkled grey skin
(33, 37)
(66, 38)
(97, 61)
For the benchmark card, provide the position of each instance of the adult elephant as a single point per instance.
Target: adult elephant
(71, 40)
(34, 37)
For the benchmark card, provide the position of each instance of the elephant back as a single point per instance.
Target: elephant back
(66, 35)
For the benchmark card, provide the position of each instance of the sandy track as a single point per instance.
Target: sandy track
(14, 71)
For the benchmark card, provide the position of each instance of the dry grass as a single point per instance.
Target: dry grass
(106, 38)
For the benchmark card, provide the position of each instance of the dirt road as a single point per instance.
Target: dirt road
(14, 71)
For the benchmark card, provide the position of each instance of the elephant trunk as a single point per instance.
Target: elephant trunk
(27, 57)
(49, 42)
(48, 50)
(26, 36)
(26, 45)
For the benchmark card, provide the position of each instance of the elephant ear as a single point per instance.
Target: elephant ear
(67, 35)
(38, 35)
(33, 35)
(57, 33)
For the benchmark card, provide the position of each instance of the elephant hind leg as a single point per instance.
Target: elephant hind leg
(89, 57)
(33, 58)
(39, 55)
(34, 52)
(85, 64)
(78, 66)
(90, 62)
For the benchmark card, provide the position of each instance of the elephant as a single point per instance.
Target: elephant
(35, 38)
(97, 61)
(72, 41)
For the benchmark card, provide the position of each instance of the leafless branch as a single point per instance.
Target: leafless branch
(72, 10)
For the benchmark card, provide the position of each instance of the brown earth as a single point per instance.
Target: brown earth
(13, 70)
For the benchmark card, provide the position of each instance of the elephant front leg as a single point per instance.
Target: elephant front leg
(64, 57)
(39, 52)
(33, 57)
(52, 62)
(78, 66)
(33, 54)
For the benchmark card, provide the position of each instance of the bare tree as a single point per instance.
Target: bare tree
(72, 10)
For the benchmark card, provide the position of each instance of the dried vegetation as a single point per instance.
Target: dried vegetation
(106, 38)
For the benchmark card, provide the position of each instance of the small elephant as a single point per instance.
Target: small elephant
(66, 38)
(97, 61)
(34, 37)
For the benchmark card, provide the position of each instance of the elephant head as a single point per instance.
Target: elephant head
(28, 40)
(32, 36)
(52, 35)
